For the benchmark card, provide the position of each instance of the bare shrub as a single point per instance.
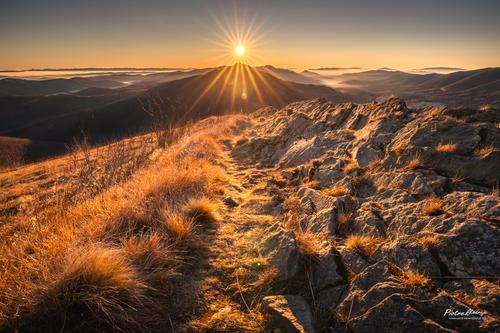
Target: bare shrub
(165, 119)
(95, 169)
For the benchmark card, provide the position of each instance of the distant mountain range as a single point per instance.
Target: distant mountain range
(52, 111)
(458, 89)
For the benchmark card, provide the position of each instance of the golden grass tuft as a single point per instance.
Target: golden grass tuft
(484, 152)
(351, 167)
(100, 285)
(202, 211)
(129, 221)
(433, 206)
(363, 245)
(413, 279)
(447, 147)
(415, 163)
(429, 241)
(179, 228)
(154, 258)
(312, 184)
(344, 218)
(336, 191)
(311, 244)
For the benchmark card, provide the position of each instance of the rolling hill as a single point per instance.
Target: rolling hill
(459, 89)
(103, 113)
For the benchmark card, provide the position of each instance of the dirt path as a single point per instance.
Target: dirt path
(238, 275)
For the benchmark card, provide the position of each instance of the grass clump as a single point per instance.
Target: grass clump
(413, 279)
(447, 147)
(415, 163)
(484, 152)
(202, 212)
(352, 167)
(337, 191)
(154, 258)
(129, 221)
(433, 206)
(428, 241)
(311, 244)
(363, 245)
(179, 228)
(100, 285)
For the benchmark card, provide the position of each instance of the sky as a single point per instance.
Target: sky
(285, 33)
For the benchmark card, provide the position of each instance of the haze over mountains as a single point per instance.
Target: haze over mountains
(50, 113)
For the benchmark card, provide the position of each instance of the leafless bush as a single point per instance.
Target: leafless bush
(11, 152)
(94, 169)
(166, 119)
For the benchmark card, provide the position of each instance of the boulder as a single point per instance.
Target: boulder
(281, 249)
(366, 154)
(326, 273)
(313, 201)
(289, 313)
(471, 248)
(302, 151)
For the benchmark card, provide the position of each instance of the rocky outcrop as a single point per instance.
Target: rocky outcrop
(409, 202)
(289, 313)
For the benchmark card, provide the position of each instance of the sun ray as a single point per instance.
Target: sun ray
(224, 85)
(255, 86)
(235, 85)
(207, 89)
(268, 85)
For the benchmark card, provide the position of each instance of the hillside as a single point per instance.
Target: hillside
(316, 217)
(104, 114)
(458, 89)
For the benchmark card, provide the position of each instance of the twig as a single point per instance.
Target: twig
(244, 302)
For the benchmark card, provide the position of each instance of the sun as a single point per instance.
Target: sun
(237, 40)
(240, 50)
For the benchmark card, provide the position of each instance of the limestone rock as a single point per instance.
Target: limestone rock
(280, 246)
(289, 313)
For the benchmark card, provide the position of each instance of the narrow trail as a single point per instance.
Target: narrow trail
(237, 274)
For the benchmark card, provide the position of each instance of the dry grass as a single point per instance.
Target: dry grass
(351, 167)
(311, 244)
(312, 184)
(429, 241)
(433, 206)
(484, 152)
(100, 285)
(376, 165)
(447, 147)
(116, 256)
(415, 163)
(363, 245)
(344, 218)
(336, 191)
(178, 227)
(202, 211)
(413, 279)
